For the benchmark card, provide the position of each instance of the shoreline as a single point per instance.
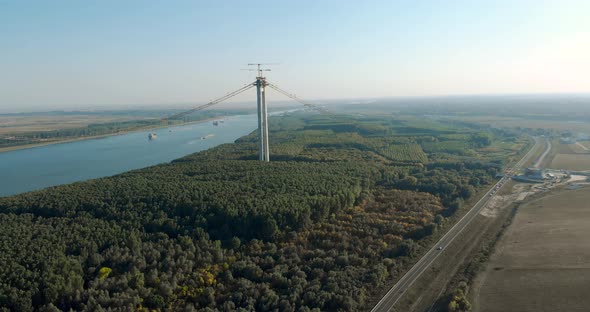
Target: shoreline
(94, 137)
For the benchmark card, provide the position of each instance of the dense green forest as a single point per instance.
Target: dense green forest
(342, 207)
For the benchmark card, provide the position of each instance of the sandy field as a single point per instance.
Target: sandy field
(571, 161)
(542, 262)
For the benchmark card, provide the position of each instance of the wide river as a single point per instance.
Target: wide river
(39, 167)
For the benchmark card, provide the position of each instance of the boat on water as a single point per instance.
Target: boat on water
(207, 136)
(152, 136)
(216, 123)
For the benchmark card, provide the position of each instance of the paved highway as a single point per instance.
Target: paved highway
(397, 291)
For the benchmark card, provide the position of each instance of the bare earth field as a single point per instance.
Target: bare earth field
(542, 262)
(571, 161)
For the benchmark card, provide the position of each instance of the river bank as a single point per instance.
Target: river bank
(88, 158)
(93, 137)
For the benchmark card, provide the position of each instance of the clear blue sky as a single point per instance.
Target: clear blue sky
(67, 54)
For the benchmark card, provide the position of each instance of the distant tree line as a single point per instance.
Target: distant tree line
(105, 128)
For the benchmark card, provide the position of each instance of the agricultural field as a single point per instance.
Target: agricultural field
(513, 122)
(578, 148)
(571, 157)
(541, 262)
(569, 148)
(571, 162)
(25, 124)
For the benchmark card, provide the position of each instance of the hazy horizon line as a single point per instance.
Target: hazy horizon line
(349, 100)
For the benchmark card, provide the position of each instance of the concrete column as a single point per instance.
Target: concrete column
(265, 122)
(261, 155)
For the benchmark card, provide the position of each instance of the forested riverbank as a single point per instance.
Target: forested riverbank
(342, 206)
(18, 136)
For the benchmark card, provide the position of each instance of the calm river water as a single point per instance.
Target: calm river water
(40, 167)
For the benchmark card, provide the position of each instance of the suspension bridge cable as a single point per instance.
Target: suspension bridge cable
(294, 97)
(216, 101)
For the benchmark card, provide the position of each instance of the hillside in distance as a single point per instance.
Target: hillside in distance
(345, 204)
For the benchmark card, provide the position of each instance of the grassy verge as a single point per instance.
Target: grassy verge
(457, 296)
